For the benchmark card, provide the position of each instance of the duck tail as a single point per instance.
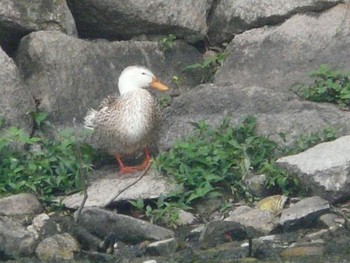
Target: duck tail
(89, 120)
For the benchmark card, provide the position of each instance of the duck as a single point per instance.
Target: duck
(127, 125)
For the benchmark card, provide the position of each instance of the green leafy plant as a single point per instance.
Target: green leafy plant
(213, 159)
(49, 167)
(209, 66)
(328, 86)
(167, 42)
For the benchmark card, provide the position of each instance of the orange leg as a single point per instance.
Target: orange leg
(123, 169)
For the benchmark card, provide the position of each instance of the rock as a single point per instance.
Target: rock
(260, 222)
(18, 18)
(218, 232)
(278, 57)
(256, 184)
(21, 204)
(163, 247)
(15, 100)
(230, 18)
(58, 247)
(276, 112)
(15, 240)
(115, 20)
(37, 224)
(240, 210)
(185, 218)
(323, 168)
(103, 191)
(304, 213)
(67, 76)
(331, 220)
(103, 223)
(302, 250)
(273, 204)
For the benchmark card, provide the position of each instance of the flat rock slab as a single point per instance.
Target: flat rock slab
(323, 168)
(304, 212)
(104, 223)
(104, 191)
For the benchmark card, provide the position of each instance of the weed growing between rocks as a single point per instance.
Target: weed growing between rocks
(213, 161)
(211, 63)
(44, 166)
(328, 86)
(167, 42)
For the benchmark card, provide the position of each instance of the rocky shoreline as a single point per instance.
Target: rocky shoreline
(63, 57)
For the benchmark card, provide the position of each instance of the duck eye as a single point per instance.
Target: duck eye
(143, 73)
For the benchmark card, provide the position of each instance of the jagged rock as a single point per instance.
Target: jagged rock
(67, 76)
(103, 223)
(15, 100)
(278, 57)
(304, 213)
(323, 168)
(115, 20)
(57, 247)
(104, 191)
(18, 18)
(259, 222)
(277, 113)
(163, 247)
(21, 204)
(229, 18)
(15, 240)
(218, 232)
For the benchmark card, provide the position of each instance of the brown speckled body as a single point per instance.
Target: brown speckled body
(127, 124)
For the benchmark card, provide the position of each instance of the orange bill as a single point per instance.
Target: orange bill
(158, 85)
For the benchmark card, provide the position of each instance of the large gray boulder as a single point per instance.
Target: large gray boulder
(325, 168)
(276, 112)
(230, 18)
(67, 76)
(116, 19)
(18, 18)
(277, 57)
(15, 101)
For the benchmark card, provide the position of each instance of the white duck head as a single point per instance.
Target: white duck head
(136, 77)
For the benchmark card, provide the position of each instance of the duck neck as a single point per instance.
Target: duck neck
(126, 86)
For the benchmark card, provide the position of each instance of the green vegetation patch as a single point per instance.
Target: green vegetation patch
(328, 86)
(44, 166)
